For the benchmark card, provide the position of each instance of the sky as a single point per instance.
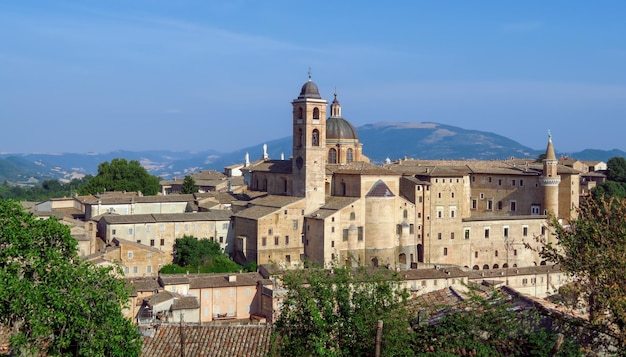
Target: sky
(183, 75)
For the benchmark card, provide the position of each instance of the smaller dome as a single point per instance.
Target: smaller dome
(309, 90)
(339, 128)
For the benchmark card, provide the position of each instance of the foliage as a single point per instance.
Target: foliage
(200, 256)
(487, 326)
(335, 313)
(592, 249)
(189, 185)
(616, 169)
(122, 175)
(53, 302)
(48, 189)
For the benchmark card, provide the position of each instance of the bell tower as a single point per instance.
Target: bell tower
(309, 146)
(550, 180)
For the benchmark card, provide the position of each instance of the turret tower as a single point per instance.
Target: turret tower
(550, 180)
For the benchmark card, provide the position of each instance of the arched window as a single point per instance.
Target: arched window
(300, 135)
(316, 113)
(476, 267)
(375, 262)
(402, 258)
(485, 267)
(495, 266)
(316, 138)
(405, 214)
(300, 113)
(505, 265)
(352, 216)
(349, 156)
(332, 156)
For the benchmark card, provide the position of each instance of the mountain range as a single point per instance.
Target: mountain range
(381, 141)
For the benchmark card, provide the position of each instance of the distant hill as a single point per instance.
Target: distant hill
(380, 141)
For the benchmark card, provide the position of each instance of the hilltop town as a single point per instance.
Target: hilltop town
(441, 224)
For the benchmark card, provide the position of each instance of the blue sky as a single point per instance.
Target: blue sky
(85, 76)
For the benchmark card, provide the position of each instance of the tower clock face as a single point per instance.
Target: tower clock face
(299, 162)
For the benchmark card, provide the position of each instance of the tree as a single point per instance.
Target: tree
(189, 185)
(592, 249)
(53, 302)
(616, 169)
(335, 313)
(486, 325)
(122, 175)
(200, 255)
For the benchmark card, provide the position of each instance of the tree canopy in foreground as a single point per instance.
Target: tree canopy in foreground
(592, 249)
(53, 302)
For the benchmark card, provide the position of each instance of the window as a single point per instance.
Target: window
(332, 244)
(524, 281)
(148, 228)
(269, 232)
(149, 269)
(543, 230)
(513, 206)
(162, 242)
(276, 240)
(535, 210)
(349, 156)
(445, 251)
(452, 212)
(332, 156)
(505, 232)
(482, 196)
(439, 214)
(221, 239)
(135, 270)
(513, 182)
(345, 235)
(499, 205)
(286, 240)
(225, 225)
(360, 230)
(499, 182)
(405, 214)
(316, 113)
(420, 199)
(130, 231)
(177, 227)
(514, 251)
(126, 270)
(152, 242)
(521, 182)
(486, 232)
(476, 254)
(525, 231)
(451, 235)
(186, 228)
(467, 233)
(452, 194)
(489, 179)
(139, 241)
(294, 224)
(353, 216)
(288, 258)
(149, 255)
(162, 228)
(438, 194)
(490, 205)
(439, 235)
(473, 203)
(231, 292)
(113, 231)
(496, 252)
(130, 254)
(316, 137)
(332, 229)
(264, 241)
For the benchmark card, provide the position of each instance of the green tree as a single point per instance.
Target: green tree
(616, 169)
(53, 302)
(189, 185)
(489, 326)
(335, 313)
(122, 175)
(201, 256)
(592, 249)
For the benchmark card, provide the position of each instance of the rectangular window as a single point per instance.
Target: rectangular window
(130, 254)
(264, 241)
(513, 206)
(521, 182)
(225, 225)
(490, 205)
(445, 251)
(486, 232)
(513, 182)
(439, 235)
(139, 241)
(162, 228)
(467, 234)
(505, 232)
(360, 230)
(451, 235)
(221, 239)
(186, 228)
(286, 240)
(499, 182)
(482, 196)
(162, 242)
(476, 254)
(499, 205)
(452, 194)
(419, 199)
(411, 228)
(177, 227)
(130, 231)
(149, 269)
(288, 258)
(294, 224)
(276, 239)
(332, 244)
(152, 242)
(345, 235)
(113, 231)
(269, 232)
(148, 228)
(525, 231)
(135, 270)
(474, 203)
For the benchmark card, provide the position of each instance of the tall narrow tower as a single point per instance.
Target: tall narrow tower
(550, 180)
(309, 146)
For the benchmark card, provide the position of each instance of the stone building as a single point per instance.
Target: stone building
(338, 207)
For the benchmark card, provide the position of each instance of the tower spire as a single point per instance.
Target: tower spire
(309, 74)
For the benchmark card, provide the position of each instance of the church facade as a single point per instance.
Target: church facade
(329, 204)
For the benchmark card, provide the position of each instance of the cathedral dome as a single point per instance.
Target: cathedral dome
(309, 90)
(340, 129)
